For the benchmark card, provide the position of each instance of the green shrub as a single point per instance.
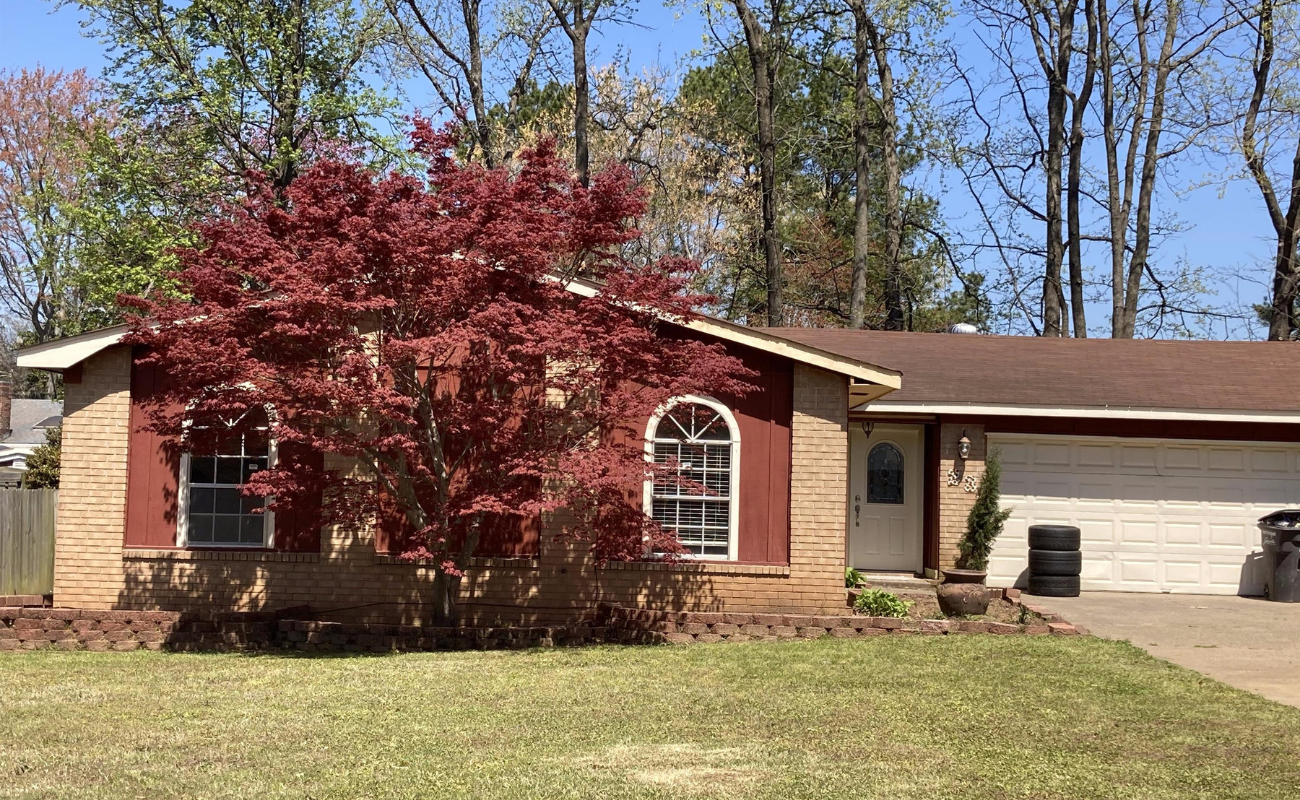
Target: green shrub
(852, 578)
(984, 524)
(43, 464)
(880, 603)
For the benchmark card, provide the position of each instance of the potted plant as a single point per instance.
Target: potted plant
(963, 592)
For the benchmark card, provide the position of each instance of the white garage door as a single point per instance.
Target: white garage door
(1155, 515)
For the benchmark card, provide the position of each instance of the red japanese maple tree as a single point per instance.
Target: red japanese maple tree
(426, 334)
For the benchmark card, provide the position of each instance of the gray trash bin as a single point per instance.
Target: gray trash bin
(1280, 533)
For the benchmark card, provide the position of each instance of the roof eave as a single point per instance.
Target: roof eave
(1079, 412)
(61, 354)
(887, 379)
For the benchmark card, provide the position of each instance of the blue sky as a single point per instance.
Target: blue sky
(1228, 234)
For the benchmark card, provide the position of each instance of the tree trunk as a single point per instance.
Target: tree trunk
(1282, 320)
(1073, 187)
(759, 44)
(894, 318)
(1057, 72)
(483, 131)
(1116, 210)
(1147, 183)
(444, 598)
(862, 166)
(1282, 323)
(285, 112)
(581, 101)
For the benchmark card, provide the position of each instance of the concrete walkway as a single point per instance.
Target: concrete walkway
(1245, 642)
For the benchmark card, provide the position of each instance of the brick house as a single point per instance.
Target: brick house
(859, 449)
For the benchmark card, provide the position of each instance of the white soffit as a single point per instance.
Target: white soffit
(60, 354)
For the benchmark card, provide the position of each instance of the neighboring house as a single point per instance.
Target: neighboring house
(847, 454)
(23, 424)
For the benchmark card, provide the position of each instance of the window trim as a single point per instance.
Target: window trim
(733, 504)
(183, 511)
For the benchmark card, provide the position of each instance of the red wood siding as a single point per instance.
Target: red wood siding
(151, 489)
(153, 481)
(764, 416)
(501, 536)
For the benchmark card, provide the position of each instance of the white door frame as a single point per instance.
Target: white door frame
(907, 518)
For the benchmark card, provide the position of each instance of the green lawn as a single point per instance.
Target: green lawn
(895, 717)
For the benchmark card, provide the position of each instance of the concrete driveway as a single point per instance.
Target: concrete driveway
(1245, 642)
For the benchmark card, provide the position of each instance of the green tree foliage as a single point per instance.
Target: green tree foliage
(986, 519)
(208, 93)
(816, 177)
(266, 84)
(47, 120)
(43, 463)
(147, 185)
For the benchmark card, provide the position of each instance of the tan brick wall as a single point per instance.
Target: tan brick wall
(347, 579)
(955, 502)
(92, 482)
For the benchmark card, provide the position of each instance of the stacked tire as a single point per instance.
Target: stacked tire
(1054, 560)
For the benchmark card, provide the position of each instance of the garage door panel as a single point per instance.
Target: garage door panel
(1273, 495)
(1047, 454)
(1181, 574)
(1095, 531)
(1097, 455)
(1099, 568)
(1014, 455)
(1181, 494)
(1227, 459)
(1135, 493)
(1233, 536)
(1137, 532)
(1095, 491)
(1183, 533)
(1138, 574)
(1183, 458)
(1138, 457)
(1228, 496)
(1270, 461)
(1153, 516)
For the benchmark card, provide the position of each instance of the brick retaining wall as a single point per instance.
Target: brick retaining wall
(78, 629)
(689, 627)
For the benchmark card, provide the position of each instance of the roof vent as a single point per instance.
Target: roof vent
(963, 327)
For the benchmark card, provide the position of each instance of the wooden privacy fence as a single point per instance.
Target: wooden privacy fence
(27, 540)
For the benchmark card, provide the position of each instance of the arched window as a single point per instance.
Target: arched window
(885, 474)
(212, 511)
(700, 435)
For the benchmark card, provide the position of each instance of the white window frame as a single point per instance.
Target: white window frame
(733, 505)
(183, 510)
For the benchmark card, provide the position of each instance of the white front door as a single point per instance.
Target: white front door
(886, 497)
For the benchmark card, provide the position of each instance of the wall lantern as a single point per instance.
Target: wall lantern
(963, 447)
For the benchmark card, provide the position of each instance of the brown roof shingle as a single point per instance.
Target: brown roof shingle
(1102, 373)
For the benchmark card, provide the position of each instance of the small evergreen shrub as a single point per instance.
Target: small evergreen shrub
(880, 603)
(984, 524)
(43, 464)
